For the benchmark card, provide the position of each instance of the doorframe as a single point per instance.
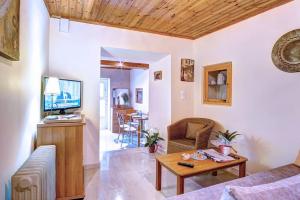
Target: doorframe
(108, 120)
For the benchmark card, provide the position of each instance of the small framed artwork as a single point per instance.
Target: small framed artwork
(139, 95)
(187, 70)
(9, 29)
(158, 75)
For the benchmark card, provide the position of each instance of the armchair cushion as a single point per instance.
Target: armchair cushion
(181, 145)
(192, 129)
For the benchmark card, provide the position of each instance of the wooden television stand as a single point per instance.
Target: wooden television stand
(68, 139)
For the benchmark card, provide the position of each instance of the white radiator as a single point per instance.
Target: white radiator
(35, 180)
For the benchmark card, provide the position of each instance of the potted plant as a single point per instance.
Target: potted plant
(152, 138)
(225, 140)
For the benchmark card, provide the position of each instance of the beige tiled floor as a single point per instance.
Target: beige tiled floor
(130, 175)
(109, 141)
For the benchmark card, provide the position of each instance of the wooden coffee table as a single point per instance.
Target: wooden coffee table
(170, 161)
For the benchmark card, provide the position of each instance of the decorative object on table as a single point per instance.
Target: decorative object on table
(225, 140)
(139, 95)
(152, 138)
(9, 29)
(187, 70)
(158, 75)
(286, 52)
(186, 156)
(199, 155)
(218, 84)
(52, 89)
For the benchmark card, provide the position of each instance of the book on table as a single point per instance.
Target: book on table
(216, 156)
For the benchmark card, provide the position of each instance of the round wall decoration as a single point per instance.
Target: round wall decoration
(286, 52)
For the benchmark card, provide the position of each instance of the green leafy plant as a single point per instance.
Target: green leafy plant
(152, 137)
(226, 137)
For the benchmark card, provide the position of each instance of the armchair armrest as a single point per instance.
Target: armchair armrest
(177, 130)
(202, 136)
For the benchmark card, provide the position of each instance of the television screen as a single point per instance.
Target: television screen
(69, 97)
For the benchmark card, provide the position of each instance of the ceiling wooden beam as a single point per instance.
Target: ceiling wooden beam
(112, 64)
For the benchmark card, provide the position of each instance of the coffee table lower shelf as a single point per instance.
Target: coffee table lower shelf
(169, 161)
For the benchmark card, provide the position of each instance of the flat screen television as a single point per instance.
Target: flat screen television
(69, 98)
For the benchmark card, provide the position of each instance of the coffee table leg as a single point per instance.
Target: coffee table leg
(180, 185)
(158, 175)
(242, 170)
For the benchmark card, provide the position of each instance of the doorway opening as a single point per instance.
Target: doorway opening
(125, 108)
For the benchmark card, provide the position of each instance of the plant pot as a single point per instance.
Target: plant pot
(225, 149)
(152, 149)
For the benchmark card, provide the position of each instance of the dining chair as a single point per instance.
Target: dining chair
(125, 127)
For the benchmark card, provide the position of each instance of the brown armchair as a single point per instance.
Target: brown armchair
(189, 134)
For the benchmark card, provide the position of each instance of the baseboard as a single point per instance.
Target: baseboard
(91, 166)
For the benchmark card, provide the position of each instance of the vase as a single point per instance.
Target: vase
(225, 149)
(221, 79)
(152, 149)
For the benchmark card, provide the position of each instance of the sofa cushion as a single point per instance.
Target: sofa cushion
(297, 162)
(285, 189)
(192, 129)
(226, 194)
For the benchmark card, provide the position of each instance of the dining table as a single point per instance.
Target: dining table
(141, 118)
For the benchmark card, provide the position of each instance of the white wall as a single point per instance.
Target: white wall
(20, 86)
(77, 55)
(265, 100)
(160, 96)
(265, 106)
(139, 78)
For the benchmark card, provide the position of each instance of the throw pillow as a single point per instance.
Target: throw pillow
(192, 129)
(285, 189)
(226, 194)
(297, 162)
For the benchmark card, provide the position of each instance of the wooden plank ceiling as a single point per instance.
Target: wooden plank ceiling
(180, 18)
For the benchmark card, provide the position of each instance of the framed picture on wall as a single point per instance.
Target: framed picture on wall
(9, 29)
(139, 95)
(187, 70)
(158, 75)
